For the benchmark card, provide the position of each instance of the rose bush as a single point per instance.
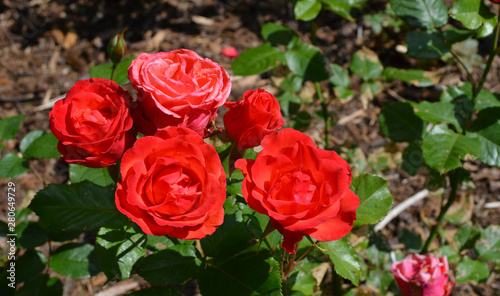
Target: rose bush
(422, 275)
(252, 117)
(172, 184)
(303, 189)
(93, 123)
(177, 88)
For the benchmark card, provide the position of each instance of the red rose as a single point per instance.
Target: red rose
(93, 123)
(177, 88)
(252, 117)
(303, 189)
(173, 183)
(422, 275)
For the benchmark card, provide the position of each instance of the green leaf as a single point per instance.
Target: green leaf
(490, 144)
(75, 260)
(307, 10)
(117, 249)
(340, 76)
(9, 126)
(41, 285)
(343, 93)
(104, 70)
(98, 176)
(449, 252)
(344, 8)
(474, 15)
(173, 266)
(444, 150)
(257, 60)
(250, 273)
(426, 45)
(301, 278)
(415, 77)
(12, 166)
(29, 139)
(424, 14)
(438, 112)
(279, 34)
(471, 270)
(411, 240)
(229, 239)
(76, 208)
(30, 263)
(488, 246)
(365, 64)
(399, 122)
(454, 35)
(30, 235)
(345, 259)
(486, 99)
(43, 147)
(413, 158)
(308, 62)
(375, 199)
(466, 236)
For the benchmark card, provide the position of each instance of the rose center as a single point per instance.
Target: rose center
(173, 191)
(297, 187)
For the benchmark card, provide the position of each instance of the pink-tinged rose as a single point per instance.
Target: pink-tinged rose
(173, 183)
(303, 189)
(177, 88)
(93, 123)
(422, 275)
(230, 52)
(252, 117)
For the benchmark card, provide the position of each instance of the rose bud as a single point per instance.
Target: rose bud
(422, 275)
(303, 189)
(252, 117)
(117, 47)
(177, 88)
(93, 123)
(173, 183)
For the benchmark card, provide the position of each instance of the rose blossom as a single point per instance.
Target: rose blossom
(303, 189)
(252, 117)
(93, 123)
(422, 275)
(173, 183)
(177, 88)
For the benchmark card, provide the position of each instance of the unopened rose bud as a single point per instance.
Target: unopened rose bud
(117, 47)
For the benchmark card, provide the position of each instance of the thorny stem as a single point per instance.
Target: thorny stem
(454, 182)
(290, 264)
(493, 53)
(326, 116)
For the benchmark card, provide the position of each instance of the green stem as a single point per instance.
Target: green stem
(314, 29)
(454, 182)
(113, 71)
(326, 117)
(493, 53)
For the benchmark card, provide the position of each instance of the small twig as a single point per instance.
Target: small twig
(492, 205)
(400, 208)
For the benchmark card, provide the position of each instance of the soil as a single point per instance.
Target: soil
(46, 46)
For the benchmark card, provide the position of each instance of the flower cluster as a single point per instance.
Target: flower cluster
(172, 181)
